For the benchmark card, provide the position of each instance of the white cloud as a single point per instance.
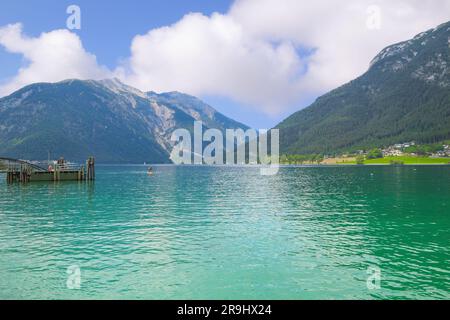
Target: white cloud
(51, 57)
(338, 30)
(252, 54)
(214, 55)
(249, 54)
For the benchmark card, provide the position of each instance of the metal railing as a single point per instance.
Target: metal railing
(9, 164)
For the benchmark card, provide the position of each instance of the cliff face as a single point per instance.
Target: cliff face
(114, 122)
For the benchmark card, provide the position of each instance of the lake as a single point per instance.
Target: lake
(189, 232)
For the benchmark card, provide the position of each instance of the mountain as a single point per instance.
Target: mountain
(404, 96)
(108, 119)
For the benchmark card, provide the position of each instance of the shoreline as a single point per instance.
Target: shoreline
(365, 165)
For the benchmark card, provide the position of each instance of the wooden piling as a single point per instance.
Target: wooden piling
(90, 169)
(92, 161)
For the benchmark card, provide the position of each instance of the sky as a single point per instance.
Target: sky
(256, 61)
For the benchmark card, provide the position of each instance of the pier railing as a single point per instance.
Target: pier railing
(8, 164)
(24, 171)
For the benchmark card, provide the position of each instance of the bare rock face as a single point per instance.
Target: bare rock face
(108, 119)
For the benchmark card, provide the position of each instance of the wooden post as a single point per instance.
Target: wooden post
(90, 169)
(93, 168)
(87, 169)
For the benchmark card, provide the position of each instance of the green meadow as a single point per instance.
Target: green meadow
(408, 160)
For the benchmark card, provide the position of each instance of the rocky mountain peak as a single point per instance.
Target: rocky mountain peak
(106, 118)
(425, 57)
(404, 96)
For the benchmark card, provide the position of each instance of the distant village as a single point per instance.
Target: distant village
(413, 149)
(400, 153)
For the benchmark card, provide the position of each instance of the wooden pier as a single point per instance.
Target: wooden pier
(19, 171)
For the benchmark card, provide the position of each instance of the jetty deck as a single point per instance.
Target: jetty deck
(21, 171)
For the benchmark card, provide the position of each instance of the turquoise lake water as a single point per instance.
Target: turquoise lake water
(230, 233)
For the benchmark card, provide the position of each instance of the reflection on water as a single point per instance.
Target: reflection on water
(216, 232)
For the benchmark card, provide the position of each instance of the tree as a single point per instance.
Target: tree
(360, 159)
(375, 154)
(319, 158)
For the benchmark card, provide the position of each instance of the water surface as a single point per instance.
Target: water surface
(229, 233)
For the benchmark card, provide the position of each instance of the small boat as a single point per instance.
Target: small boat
(150, 171)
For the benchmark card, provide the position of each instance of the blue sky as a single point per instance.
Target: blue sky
(256, 61)
(107, 30)
(107, 26)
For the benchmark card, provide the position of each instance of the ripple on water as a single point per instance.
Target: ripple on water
(216, 232)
